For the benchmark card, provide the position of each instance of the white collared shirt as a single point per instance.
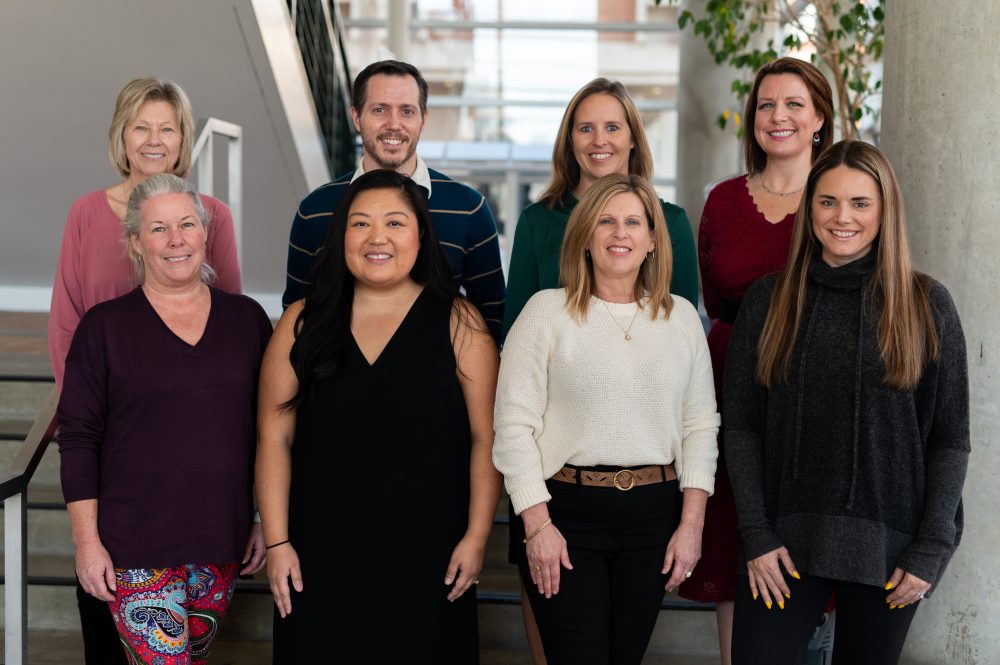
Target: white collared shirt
(421, 175)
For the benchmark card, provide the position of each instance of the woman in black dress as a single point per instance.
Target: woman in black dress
(374, 472)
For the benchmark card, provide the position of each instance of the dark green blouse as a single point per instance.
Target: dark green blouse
(534, 259)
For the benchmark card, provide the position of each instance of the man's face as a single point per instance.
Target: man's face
(390, 122)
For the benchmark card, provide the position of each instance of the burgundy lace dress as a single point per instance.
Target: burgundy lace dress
(736, 247)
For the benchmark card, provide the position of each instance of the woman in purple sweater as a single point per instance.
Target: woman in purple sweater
(152, 131)
(157, 436)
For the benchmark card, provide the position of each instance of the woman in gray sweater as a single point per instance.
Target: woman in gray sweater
(847, 425)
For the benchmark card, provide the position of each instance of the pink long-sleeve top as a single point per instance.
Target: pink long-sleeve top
(93, 266)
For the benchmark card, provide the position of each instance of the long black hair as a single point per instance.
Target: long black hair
(323, 327)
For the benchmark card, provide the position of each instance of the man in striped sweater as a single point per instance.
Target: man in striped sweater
(389, 108)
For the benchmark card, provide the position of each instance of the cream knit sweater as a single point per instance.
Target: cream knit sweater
(582, 394)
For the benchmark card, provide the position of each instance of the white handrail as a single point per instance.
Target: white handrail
(203, 156)
(14, 483)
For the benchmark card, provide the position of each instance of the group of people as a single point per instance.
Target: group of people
(379, 421)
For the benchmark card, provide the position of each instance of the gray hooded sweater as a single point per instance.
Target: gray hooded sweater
(855, 478)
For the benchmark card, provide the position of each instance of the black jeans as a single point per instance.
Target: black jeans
(101, 643)
(608, 604)
(867, 631)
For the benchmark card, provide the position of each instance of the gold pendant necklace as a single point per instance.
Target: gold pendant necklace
(627, 331)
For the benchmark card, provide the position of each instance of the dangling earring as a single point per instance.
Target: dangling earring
(816, 138)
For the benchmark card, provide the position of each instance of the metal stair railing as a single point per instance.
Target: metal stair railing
(14, 493)
(319, 29)
(203, 157)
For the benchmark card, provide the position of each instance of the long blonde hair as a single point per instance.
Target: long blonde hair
(566, 170)
(907, 338)
(576, 270)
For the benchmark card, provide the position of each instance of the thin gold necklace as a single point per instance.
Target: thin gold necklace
(781, 194)
(627, 331)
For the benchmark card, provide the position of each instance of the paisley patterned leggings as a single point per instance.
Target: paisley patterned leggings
(171, 616)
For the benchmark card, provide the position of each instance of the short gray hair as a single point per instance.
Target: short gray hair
(156, 185)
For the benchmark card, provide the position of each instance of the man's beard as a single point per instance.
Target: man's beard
(392, 162)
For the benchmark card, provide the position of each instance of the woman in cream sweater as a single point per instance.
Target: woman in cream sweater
(605, 414)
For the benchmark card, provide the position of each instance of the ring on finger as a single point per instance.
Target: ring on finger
(537, 568)
(687, 573)
(920, 596)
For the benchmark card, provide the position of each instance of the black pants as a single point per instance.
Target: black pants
(608, 604)
(101, 644)
(867, 631)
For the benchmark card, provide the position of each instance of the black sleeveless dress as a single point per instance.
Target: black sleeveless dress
(379, 499)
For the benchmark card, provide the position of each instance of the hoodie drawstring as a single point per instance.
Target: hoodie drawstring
(857, 394)
(802, 379)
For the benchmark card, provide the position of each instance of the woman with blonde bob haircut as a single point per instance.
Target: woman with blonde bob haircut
(576, 272)
(605, 413)
(131, 99)
(152, 132)
(847, 425)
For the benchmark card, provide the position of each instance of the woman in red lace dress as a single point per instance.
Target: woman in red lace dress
(745, 232)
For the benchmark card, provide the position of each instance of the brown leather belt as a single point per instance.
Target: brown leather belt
(622, 479)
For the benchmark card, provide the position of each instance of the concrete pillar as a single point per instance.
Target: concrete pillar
(940, 130)
(705, 153)
(399, 29)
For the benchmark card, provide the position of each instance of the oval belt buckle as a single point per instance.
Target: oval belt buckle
(629, 478)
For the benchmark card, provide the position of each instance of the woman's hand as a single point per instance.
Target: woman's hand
(283, 563)
(546, 551)
(766, 579)
(907, 589)
(95, 570)
(683, 553)
(253, 557)
(466, 564)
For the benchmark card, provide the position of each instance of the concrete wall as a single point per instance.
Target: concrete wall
(62, 63)
(940, 130)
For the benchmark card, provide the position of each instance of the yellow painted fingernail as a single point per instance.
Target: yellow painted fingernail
(755, 596)
(796, 575)
(768, 604)
(788, 595)
(899, 607)
(887, 600)
(892, 607)
(888, 585)
(781, 604)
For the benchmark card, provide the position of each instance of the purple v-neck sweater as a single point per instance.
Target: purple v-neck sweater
(162, 433)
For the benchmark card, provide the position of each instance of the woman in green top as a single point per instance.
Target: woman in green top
(600, 133)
